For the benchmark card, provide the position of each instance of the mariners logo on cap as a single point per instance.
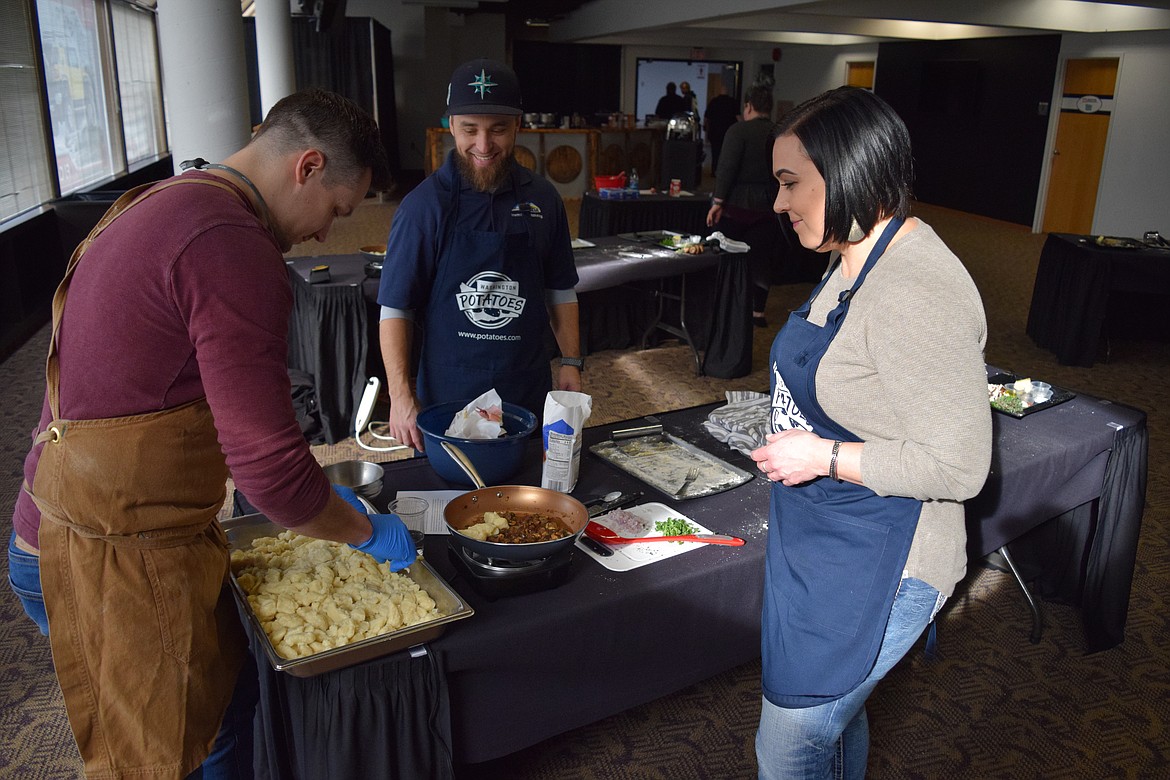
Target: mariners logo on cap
(482, 84)
(483, 87)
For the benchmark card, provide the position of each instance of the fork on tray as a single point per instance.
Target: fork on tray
(692, 475)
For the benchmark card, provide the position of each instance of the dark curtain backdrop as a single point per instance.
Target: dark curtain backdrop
(973, 110)
(562, 78)
(343, 57)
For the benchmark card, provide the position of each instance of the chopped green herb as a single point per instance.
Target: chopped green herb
(674, 526)
(1008, 403)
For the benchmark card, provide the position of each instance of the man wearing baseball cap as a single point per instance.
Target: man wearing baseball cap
(479, 265)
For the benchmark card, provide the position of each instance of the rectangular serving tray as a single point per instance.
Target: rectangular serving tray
(662, 460)
(240, 533)
(1059, 396)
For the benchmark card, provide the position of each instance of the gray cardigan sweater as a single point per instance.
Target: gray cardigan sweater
(906, 374)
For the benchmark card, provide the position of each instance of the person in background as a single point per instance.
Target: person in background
(741, 206)
(722, 113)
(690, 99)
(866, 537)
(166, 373)
(671, 103)
(479, 257)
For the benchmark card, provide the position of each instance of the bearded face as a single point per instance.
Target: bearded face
(483, 147)
(483, 178)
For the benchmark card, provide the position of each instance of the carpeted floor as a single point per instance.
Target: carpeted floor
(993, 705)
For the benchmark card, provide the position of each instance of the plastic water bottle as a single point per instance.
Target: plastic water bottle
(633, 184)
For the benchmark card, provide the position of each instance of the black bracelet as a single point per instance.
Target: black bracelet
(833, 460)
(576, 362)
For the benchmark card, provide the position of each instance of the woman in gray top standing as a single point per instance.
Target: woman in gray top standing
(744, 190)
(880, 430)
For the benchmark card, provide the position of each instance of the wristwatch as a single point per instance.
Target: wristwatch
(576, 362)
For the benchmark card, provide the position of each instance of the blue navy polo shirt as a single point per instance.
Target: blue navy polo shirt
(411, 263)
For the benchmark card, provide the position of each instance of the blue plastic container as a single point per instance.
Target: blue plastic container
(496, 460)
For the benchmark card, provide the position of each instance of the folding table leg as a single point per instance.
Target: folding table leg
(1033, 604)
(681, 330)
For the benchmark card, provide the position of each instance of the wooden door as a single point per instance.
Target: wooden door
(859, 74)
(1081, 131)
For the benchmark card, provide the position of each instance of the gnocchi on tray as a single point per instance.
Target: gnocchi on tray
(311, 595)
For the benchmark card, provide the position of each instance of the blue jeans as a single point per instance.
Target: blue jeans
(24, 576)
(831, 741)
(231, 754)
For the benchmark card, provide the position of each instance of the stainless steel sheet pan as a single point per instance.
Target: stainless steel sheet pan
(240, 533)
(662, 461)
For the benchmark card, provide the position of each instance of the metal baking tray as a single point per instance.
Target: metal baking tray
(240, 533)
(662, 461)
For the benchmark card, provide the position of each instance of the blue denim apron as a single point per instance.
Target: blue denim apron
(836, 551)
(486, 319)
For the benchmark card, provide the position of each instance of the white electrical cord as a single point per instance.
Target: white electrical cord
(395, 448)
(370, 430)
(363, 424)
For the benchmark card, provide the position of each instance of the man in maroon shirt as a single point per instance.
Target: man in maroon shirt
(170, 335)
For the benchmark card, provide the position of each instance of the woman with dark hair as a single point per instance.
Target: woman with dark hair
(880, 430)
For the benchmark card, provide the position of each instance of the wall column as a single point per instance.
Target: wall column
(204, 78)
(274, 52)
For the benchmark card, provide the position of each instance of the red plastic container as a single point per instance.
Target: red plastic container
(610, 182)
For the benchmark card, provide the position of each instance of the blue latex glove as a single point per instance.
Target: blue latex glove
(390, 541)
(350, 498)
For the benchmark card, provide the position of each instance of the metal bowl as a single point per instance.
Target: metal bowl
(364, 477)
(497, 460)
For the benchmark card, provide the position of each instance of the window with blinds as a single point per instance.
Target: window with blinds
(25, 177)
(71, 47)
(139, 85)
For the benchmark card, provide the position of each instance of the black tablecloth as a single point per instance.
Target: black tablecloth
(526, 668)
(396, 708)
(1082, 458)
(685, 214)
(1074, 282)
(619, 306)
(617, 260)
(330, 330)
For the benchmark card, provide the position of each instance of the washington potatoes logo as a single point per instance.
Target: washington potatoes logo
(786, 415)
(490, 300)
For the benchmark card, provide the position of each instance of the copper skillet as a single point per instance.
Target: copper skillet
(466, 510)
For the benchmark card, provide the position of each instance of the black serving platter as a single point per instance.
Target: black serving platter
(1059, 396)
(1119, 242)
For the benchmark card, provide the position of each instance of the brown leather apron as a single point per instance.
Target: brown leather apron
(146, 640)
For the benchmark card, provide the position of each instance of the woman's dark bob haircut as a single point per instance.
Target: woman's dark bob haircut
(861, 148)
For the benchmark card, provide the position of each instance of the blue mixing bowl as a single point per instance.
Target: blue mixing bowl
(496, 460)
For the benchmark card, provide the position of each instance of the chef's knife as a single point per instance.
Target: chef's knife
(603, 550)
(621, 502)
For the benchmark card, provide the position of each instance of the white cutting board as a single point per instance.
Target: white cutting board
(631, 556)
